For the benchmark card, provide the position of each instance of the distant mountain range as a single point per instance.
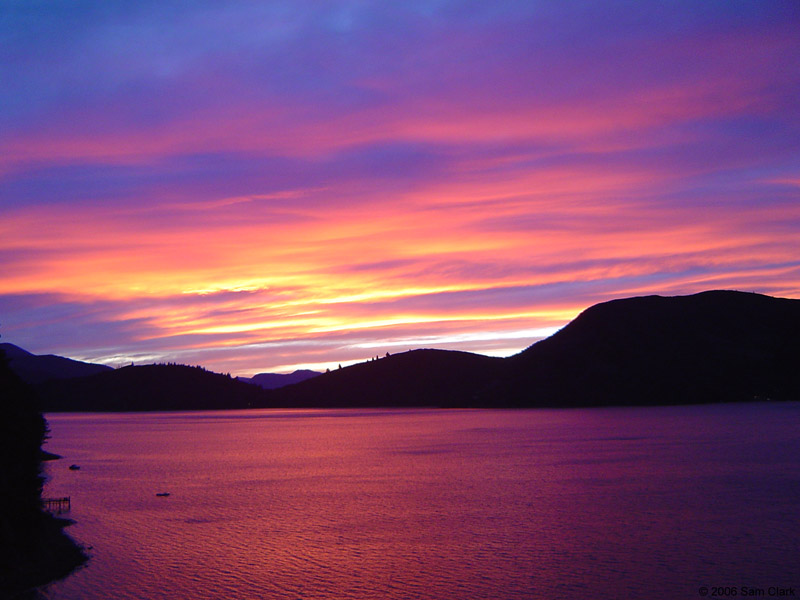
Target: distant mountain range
(709, 347)
(271, 381)
(35, 369)
(67, 384)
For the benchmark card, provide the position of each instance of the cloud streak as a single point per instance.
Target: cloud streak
(257, 187)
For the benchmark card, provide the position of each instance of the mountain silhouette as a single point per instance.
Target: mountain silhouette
(35, 369)
(710, 347)
(717, 346)
(150, 387)
(271, 381)
(416, 378)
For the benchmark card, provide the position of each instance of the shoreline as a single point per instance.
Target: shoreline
(49, 556)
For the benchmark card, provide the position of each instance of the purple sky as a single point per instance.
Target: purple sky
(265, 186)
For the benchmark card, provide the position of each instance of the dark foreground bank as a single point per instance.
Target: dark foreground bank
(34, 549)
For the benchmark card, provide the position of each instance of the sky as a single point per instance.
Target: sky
(265, 186)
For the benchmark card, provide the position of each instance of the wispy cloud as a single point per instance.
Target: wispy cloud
(260, 186)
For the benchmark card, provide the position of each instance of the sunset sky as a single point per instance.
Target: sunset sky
(264, 186)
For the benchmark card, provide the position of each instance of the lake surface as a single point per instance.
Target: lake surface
(435, 504)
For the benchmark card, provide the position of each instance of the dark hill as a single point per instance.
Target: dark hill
(271, 381)
(416, 378)
(710, 347)
(35, 369)
(151, 387)
(33, 546)
(718, 346)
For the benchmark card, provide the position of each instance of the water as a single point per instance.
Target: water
(434, 504)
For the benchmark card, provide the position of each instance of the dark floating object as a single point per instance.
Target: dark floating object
(162, 494)
(74, 468)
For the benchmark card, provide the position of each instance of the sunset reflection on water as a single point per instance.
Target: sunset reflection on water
(429, 503)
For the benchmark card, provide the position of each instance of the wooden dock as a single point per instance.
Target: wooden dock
(56, 505)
